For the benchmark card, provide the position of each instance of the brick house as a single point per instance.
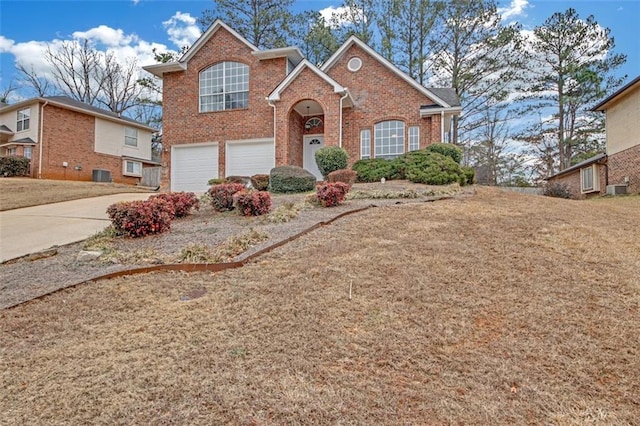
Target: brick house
(619, 169)
(67, 139)
(232, 109)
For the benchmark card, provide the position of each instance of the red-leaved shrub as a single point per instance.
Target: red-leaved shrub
(253, 203)
(347, 176)
(140, 218)
(222, 195)
(260, 182)
(182, 202)
(331, 194)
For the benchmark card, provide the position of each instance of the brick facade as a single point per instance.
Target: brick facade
(69, 136)
(572, 181)
(378, 93)
(625, 164)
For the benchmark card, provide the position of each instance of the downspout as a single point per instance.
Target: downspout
(346, 93)
(442, 126)
(41, 139)
(274, 128)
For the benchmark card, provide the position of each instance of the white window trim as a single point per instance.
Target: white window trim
(25, 119)
(130, 137)
(224, 87)
(378, 140)
(124, 168)
(24, 151)
(414, 146)
(365, 143)
(595, 179)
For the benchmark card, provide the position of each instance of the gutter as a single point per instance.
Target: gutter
(41, 139)
(442, 126)
(346, 93)
(274, 127)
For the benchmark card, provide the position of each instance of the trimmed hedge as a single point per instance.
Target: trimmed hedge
(432, 168)
(140, 218)
(286, 179)
(330, 159)
(347, 176)
(14, 166)
(372, 170)
(252, 203)
(215, 181)
(470, 174)
(221, 195)
(260, 182)
(182, 202)
(446, 149)
(331, 194)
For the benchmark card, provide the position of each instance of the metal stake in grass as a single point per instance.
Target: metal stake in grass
(350, 287)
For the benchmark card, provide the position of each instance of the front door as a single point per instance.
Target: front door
(312, 143)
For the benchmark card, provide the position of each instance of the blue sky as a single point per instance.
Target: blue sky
(134, 27)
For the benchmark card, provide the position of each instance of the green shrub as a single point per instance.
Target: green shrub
(14, 166)
(140, 218)
(470, 174)
(347, 176)
(331, 194)
(286, 179)
(221, 196)
(215, 181)
(252, 203)
(330, 159)
(432, 168)
(447, 150)
(260, 182)
(374, 169)
(557, 190)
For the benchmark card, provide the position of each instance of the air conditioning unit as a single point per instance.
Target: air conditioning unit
(616, 189)
(101, 175)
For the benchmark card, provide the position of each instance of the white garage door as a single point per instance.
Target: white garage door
(192, 166)
(247, 158)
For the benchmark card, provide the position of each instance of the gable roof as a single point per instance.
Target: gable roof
(602, 106)
(430, 93)
(74, 105)
(337, 87)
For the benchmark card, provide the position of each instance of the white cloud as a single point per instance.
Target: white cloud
(135, 2)
(107, 36)
(5, 44)
(515, 8)
(182, 29)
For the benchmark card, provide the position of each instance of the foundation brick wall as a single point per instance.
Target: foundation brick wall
(625, 164)
(572, 181)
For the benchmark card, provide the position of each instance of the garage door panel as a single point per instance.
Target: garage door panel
(249, 158)
(193, 166)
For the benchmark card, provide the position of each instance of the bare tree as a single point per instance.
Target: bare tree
(39, 84)
(120, 88)
(6, 91)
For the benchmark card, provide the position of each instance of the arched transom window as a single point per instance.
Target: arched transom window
(224, 86)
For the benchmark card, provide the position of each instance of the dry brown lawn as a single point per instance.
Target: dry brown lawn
(16, 193)
(500, 308)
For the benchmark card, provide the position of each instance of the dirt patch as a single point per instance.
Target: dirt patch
(495, 309)
(16, 193)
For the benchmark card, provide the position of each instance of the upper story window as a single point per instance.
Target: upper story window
(224, 86)
(130, 136)
(23, 119)
(389, 139)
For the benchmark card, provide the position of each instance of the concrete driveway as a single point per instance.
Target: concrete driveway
(32, 229)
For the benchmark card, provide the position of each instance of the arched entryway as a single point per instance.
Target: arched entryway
(306, 134)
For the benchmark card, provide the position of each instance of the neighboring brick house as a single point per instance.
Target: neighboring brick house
(232, 109)
(619, 168)
(67, 139)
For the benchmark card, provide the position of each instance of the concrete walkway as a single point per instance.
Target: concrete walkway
(32, 229)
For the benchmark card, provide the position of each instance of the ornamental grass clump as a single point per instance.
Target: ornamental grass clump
(141, 218)
(252, 203)
(221, 195)
(331, 194)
